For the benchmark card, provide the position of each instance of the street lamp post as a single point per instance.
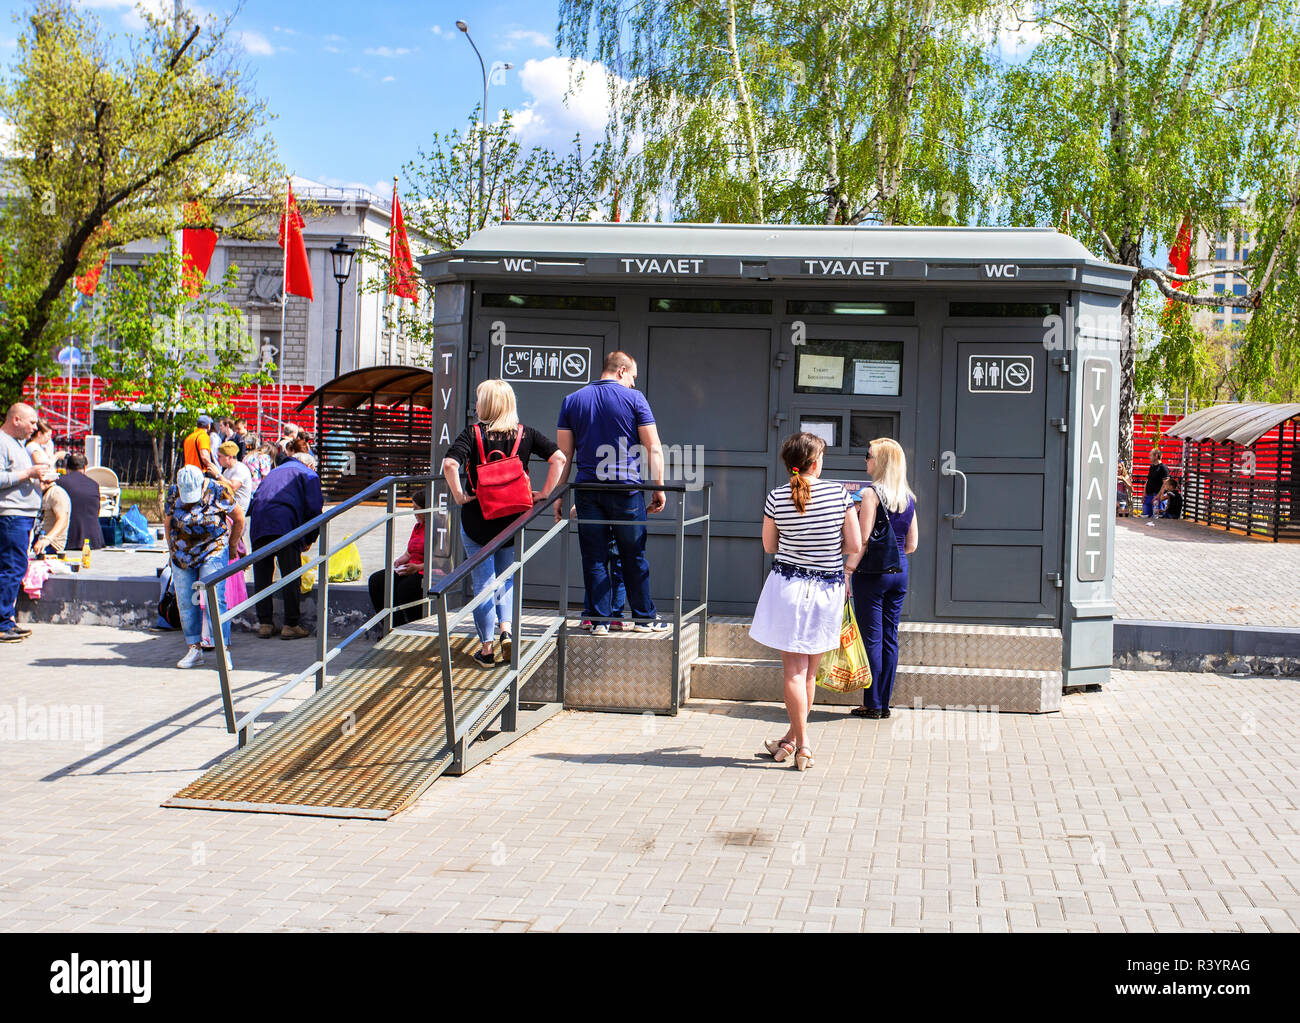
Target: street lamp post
(482, 126)
(342, 255)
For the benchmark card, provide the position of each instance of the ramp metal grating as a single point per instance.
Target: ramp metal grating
(366, 745)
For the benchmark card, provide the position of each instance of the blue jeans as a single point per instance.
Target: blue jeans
(1148, 505)
(619, 591)
(187, 598)
(878, 605)
(15, 535)
(594, 541)
(499, 609)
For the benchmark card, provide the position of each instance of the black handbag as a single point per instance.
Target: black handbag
(881, 556)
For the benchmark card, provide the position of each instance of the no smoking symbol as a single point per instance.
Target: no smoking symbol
(1017, 374)
(574, 365)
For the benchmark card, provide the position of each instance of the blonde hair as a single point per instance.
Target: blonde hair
(891, 473)
(494, 403)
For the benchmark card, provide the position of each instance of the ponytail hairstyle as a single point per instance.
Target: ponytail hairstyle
(800, 453)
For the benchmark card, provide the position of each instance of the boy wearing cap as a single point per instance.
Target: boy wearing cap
(203, 526)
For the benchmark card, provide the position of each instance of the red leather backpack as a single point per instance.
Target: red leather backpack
(503, 485)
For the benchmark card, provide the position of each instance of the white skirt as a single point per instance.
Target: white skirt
(799, 615)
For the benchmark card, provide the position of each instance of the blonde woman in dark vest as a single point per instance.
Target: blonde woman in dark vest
(810, 526)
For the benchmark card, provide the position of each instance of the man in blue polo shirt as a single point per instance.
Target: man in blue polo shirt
(606, 427)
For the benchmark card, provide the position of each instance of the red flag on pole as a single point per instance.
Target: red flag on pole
(87, 284)
(402, 279)
(90, 282)
(297, 271)
(1180, 256)
(197, 246)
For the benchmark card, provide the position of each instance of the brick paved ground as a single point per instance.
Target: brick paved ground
(1167, 802)
(1184, 572)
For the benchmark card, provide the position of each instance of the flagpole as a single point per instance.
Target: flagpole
(284, 300)
(388, 292)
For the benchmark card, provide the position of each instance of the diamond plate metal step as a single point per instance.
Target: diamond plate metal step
(926, 644)
(1029, 691)
(367, 745)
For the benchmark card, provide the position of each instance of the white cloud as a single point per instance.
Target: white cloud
(130, 15)
(286, 31)
(388, 78)
(529, 37)
(331, 49)
(256, 44)
(388, 53)
(551, 116)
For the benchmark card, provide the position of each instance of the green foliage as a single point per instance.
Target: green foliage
(1129, 116)
(110, 138)
(846, 111)
(534, 185)
(181, 357)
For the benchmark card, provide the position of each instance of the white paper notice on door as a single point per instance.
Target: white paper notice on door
(821, 371)
(875, 376)
(823, 428)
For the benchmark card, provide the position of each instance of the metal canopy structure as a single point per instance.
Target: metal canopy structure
(374, 422)
(1241, 467)
(1238, 423)
(375, 385)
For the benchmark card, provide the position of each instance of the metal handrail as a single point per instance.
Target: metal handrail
(515, 533)
(324, 655)
(441, 590)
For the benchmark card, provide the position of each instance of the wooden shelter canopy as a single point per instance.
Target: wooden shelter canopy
(1237, 423)
(375, 385)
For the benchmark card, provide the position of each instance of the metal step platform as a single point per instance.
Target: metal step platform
(370, 742)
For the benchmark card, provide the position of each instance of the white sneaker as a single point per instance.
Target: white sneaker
(1151, 522)
(229, 666)
(600, 630)
(192, 659)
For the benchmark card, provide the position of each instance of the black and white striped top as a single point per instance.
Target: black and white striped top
(814, 539)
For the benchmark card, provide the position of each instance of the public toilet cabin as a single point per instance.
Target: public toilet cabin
(1241, 468)
(989, 354)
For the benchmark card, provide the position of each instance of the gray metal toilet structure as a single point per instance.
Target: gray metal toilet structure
(990, 354)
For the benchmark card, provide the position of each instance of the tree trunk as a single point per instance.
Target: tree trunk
(1130, 254)
(747, 114)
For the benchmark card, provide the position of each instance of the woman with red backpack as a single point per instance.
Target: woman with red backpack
(495, 452)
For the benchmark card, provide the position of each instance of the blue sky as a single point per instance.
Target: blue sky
(358, 87)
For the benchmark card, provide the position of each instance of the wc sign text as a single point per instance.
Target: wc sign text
(545, 364)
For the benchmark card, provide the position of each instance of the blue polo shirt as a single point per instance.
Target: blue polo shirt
(604, 417)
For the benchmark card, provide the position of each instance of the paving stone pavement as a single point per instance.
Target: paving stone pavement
(1185, 572)
(1167, 802)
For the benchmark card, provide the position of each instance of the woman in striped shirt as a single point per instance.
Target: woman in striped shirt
(810, 526)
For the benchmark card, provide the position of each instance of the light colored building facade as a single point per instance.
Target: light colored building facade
(1224, 251)
(370, 336)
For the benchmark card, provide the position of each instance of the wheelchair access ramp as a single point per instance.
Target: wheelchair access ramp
(370, 742)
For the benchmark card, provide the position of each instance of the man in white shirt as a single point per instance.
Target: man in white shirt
(20, 503)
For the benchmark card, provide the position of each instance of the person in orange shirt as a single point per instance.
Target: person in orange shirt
(197, 448)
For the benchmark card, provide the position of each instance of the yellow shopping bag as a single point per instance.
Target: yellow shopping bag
(845, 669)
(345, 566)
(307, 581)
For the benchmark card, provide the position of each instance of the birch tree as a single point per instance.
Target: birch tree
(846, 111)
(1129, 117)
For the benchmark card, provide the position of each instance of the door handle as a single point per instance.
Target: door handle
(778, 419)
(953, 471)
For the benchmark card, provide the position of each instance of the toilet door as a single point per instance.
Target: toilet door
(1001, 459)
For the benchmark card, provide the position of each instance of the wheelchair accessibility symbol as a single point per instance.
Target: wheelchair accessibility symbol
(545, 364)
